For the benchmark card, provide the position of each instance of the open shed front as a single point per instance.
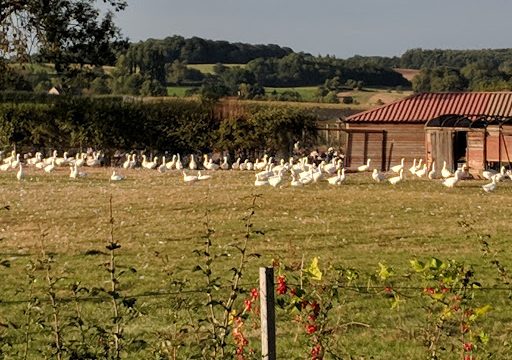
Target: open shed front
(480, 142)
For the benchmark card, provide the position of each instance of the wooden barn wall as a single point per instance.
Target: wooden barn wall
(499, 149)
(476, 151)
(402, 141)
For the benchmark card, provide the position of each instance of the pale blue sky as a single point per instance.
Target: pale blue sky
(336, 27)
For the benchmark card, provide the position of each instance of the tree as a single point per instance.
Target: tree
(65, 32)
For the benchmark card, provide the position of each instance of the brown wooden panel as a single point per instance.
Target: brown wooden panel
(476, 151)
(401, 141)
(442, 148)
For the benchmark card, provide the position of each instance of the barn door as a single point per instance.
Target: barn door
(442, 148)
(363, 145)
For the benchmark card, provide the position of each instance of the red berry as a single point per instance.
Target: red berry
(282, 288)
(311, 329)
(254, 293)
(248, 305)
(468, 347)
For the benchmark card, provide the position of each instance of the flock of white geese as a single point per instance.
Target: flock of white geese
(267, 172)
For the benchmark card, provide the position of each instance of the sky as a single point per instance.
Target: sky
(327, 27)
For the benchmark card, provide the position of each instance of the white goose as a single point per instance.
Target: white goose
(63, 160)
(224, 165)
(413, 169)
(397, 168)
(364, 167)
(189, 179)
(80, 161)
(489, 174)
(171, 164)
(179, 165)
(20, 174)
(422, 172)
(162, 168)
(36, 159)
(51, 167)
(491, 186)
(396, 179)
(95, 160)
(16, 162)
(149, 164)
(48, 160)
(126, 164)
(419, 164)
(249, 166)
(307, 179)
(445, 173)
(261, 165)
(211, 165)
(338, 178)
(205, 161)
(259, 182)
(236, 164)
(378, 176)
(6, 166)
(116, 177)
(501, 175)
(74, 173)
(203, 177)
(432, 174)
(10, 158)
(275, 180)
(295, 181)
(192, 165)
(451, 181)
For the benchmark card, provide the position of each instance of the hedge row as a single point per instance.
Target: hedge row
(172, 125)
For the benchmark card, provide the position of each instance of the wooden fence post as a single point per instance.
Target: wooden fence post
(268, 316)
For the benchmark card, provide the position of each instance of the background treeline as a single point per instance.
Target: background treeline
(174, 126)
(452, 70)
(148, 68)
(196, 50)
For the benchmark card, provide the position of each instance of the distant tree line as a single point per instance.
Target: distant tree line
(146, 68)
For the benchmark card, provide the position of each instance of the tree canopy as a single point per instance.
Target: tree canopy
(62, 32)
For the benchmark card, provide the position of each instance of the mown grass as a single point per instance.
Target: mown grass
(159, 221)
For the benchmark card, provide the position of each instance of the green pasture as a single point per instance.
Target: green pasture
(178, 91)
(208, 68)
(159, 221)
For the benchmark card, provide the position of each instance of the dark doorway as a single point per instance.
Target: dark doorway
(460, 146)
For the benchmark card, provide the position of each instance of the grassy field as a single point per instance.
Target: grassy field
(179, 91)
(208, 68)
(159, 221)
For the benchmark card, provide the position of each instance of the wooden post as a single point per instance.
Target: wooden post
(268, 317)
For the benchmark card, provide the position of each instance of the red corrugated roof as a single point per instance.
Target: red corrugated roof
(420, 108)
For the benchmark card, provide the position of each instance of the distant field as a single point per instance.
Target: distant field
(409, 74)
(178, 91)
(208, 68)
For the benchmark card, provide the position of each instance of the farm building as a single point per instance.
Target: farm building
(463, 127)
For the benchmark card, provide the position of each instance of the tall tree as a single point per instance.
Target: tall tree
(63, 32)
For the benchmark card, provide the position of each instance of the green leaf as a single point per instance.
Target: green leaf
(314, 271)
(483, 337)
(436, 264)
(417, 266)
(480, 311)
(384, 272)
